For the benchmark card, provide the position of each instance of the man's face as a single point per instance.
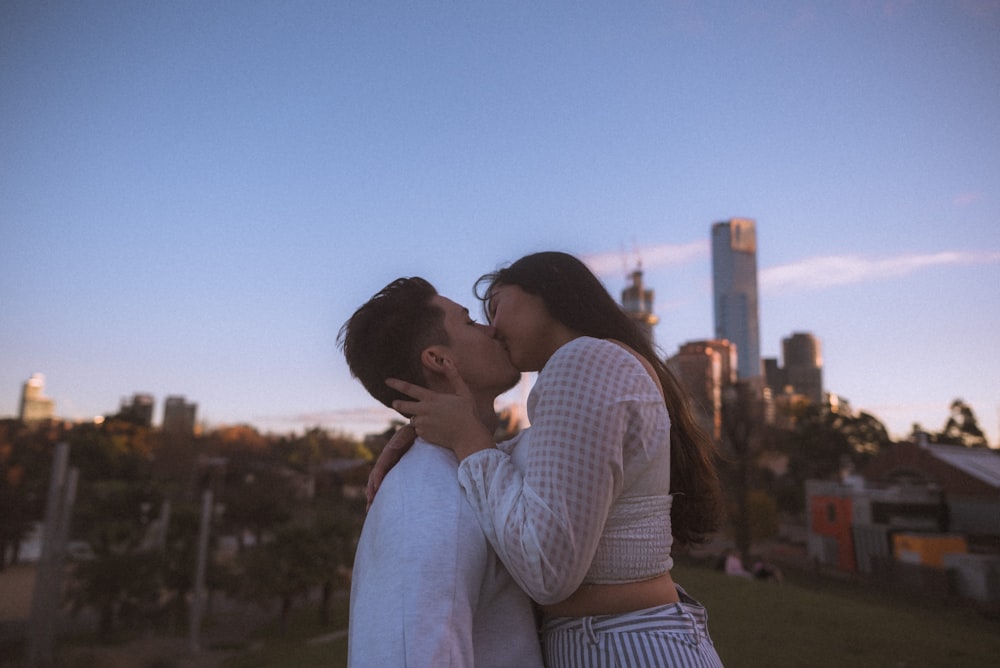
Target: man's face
(480, 358)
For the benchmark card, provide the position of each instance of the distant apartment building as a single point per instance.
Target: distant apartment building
(852, 522)
(921, 517)
(704, 369)
(637, 302)
(138, 409)
(35, 406)
(179, 416)
(734, 288)
(802, 373)
(968, 477)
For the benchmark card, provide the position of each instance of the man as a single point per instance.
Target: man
(427, 589)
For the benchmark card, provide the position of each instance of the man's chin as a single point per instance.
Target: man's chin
(513, 381)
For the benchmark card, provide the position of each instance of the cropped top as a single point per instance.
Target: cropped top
(583, 494)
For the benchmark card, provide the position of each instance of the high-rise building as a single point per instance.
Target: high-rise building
(704, 368)
(637, 301)
(179, 416)
(138, 409)
(774, 375)
(734, 279)
(803, 365)
(800, 380)
(35, 406)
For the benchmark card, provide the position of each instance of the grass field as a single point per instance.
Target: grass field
(807, 622)
(827, 623)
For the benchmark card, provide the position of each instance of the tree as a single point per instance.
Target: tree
(113, 449)
(258, 497)
(116, 584)
(115, 510)
(823, 442)
(819, 445)
(304, 453)
(337, 530)
(180, 553)
(285, 567)
(961, 428)
(113, 517)
(742, 423)
(25, 458)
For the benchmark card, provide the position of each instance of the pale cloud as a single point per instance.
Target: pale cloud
(831, 271)
(886, 8)
(892, 8)
(802, 19)
(980, 8)
(646, 257)
(963, 199)
(357, 420)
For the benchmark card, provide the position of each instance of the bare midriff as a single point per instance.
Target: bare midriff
(613, 599)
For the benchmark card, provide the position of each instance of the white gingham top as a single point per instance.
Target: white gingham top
(583, 495)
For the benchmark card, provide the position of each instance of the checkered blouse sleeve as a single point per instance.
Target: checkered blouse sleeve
(545, 522)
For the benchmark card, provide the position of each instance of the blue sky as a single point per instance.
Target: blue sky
(194, 196)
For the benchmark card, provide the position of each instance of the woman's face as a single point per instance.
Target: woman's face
(523, 323)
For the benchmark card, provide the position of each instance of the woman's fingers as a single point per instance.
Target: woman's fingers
(458, 385)
(405, 407)
(409, 389)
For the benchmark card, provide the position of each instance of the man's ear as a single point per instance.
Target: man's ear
(433, 358)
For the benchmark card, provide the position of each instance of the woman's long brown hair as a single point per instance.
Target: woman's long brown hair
(575, 297)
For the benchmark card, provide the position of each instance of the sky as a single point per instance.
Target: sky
(194, 196)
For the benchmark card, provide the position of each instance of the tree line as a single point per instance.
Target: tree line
(291, 507)
(287, 514)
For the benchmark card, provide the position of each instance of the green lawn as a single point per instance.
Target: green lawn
(804, 622)
(302, 644)
(820, 623)
(294, 654)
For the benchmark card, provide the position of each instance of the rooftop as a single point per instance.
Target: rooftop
(981, 463)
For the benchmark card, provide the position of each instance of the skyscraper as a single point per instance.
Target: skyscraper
(179, 416)
(734, 279)
(35, 406)
(139, 409)
(705, 369)
(637, 301)
(804, 365)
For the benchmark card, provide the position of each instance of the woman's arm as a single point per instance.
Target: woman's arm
(390, 455)
(546, 521)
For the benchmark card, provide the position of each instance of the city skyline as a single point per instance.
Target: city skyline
(379, 417)
(193, 199)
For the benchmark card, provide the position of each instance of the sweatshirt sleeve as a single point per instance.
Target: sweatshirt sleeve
(545, 522)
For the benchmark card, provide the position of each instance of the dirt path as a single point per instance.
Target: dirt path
(17, 583)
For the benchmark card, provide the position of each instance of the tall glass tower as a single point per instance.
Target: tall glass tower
(734, 287)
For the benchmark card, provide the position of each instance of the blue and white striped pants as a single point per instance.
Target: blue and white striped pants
(674, 635)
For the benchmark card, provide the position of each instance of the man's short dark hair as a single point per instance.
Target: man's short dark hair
(385, 337)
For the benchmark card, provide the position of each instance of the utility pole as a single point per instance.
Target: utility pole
(198, 598)
(47, 597)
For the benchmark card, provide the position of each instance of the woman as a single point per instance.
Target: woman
(583, 506)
